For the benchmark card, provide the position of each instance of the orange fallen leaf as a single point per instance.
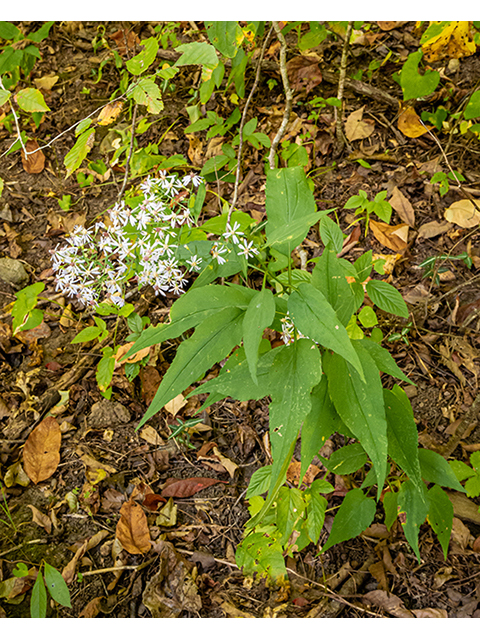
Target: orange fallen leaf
(392, 236)
(304, 73)
(41, 453)
(110, 112)
(35, 162)
(124, 349)
(387, 25)
(410, 124)
(132, 529)
(92, 608)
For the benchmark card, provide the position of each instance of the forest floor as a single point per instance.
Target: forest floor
(190, 570)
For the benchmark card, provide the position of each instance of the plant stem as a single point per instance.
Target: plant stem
(341, 141)
(288, 94)
(127, 166)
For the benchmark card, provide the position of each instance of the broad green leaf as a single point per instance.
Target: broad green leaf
(78, 152)
(32, 320)
(329, 278)
(82, 126)
(330, 232)
(384, 360)
(414, 504)
(319, 424)
(261, 553)
(296, 369)
(56, 586)
(316, 515)
(25, 303)
(368, 317)
(38, 602)
(321, 486)
(87, 334)
(346, 460)
(315, 318)
(105, 369)
(291, 208)
(390, 507)
(148, 93)
(197, 53)
(290, 507)
(259, 482)
(139, 63)
(31, 100)
(355, 514)
(436, 469)
(360, 406)
(402, 437)
(415, 85)
(212, 341)
(440, 516)
(42, 33)
(259, 315)
(363, 266)
(4, 96)
(212, 165)
(472, 486)
(385, 296)
(225, 35)
(8, 31)
(461, 470)
(472, 109)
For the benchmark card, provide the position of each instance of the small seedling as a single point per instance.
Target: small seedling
(365, 207)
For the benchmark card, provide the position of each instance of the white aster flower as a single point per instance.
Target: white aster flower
(247, 249)
(233, 232)
(194, 263)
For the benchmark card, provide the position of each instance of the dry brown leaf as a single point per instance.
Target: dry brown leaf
(293, 473)
(228, 465)
(233, 612)
(124, 349)
(110, 113)
(68, 573)
(34, 163)
(187, 487)
(132, 529)
(461, 534)
(454, 41)
(430, 613)
(304, 73)
(41, 453)
(195, 152)
(403, 207)
(176, 404)
(387, 25)
(410, 124)
(151, 435)
(463, 213)
(356, 128)
(392, 236)
(389, 603)
(31, 336)
(90, 462)
(92, 608)
(41, 519)
(125, 41)
(433, 229)
(150, 379)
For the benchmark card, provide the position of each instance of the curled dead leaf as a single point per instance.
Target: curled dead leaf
(389, 603)
(176, 404)
(41, 519)
(110, 113)
(410, 124)
(132, 529)
(33, 162)
(463, 213)
(41, 453)
(356, 128)
(394, 237)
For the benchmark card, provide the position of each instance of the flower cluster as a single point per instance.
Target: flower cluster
(131, 244)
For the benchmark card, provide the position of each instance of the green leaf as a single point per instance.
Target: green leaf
(261, 553)
(78, 152)
(8, 31)
(213, 165)
(144, 59)
(414, 504)
(330, 232)
(42, 33)
(436, 469)
(402, 437)
(288, 201)
(87, 334)
(4, 96)
(259, 482)
(25, 303)
(368, 317)
(318, 425)
(385, 296)
(148, 93)
(355, 514)
(315, 318)
(31, 100)
(259, 315)
(38, 602)
(384, 360)
(472, 109)
(56, 586)
(413, 84)
(315, 514)
(360, 405)
(290, 507)
(225, 35)
(212, 341)
(440, 516)
(390, 507)
(329, 278)
(197, 53)
(461, 470)
(105, 369)
(346, 460)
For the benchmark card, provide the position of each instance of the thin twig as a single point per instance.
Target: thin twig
(242, 121)
(466, 421)
(17, 125)
(19, 546)
(288, 94)
(341, 141)
(127, 166)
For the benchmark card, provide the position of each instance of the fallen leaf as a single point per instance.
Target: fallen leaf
(68, 573)
(150, 434)
(454, 41)
(463, 213)
(41, 453)
(194, 152)
(125, 41)
(41, 519)
(233, 612)
(461, 534)
(356, 128)
(92, 608)
(110, 113)
(31, 336)
(430, 613)
(389, 603)
(35, 162)
(187, 487)
(124, 349)
(403, 207)
(304, 73)
(15, 474)
(176, 404)
(150, 379)
(168, 515)
(152, 500)
(387, 25)
(433, 229)
(90, 462)
(410, 124)
(293, 473)
(132, 529)
(392, 236)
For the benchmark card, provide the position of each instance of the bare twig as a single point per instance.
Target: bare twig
(288, 94)
(17, 126)
(466, 421)
(341, 141)
(127, 166)
(242, 121)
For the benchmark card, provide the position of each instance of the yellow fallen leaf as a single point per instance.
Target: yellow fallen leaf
(463, 213)
(410, 124)
(394, 237)
(124, 349)
(454, 41)
(46, 82)
(110, 113)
